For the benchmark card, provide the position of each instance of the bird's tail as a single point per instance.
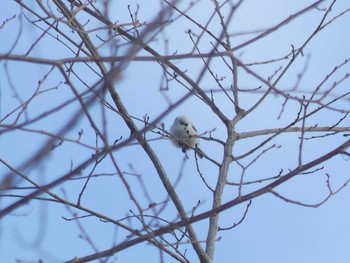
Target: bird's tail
(199, 152)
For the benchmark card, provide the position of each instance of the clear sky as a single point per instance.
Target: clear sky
(273, 230)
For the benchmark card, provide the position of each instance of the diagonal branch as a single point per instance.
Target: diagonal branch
(264, 190)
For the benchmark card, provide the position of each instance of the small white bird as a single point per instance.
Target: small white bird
(185, 135)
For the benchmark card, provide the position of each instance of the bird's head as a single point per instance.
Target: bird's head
(182, 120)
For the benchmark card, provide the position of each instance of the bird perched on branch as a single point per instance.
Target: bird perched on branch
(185, 135)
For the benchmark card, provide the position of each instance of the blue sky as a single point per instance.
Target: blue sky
(273, 230)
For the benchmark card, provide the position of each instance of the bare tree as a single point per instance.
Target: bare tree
(84, 106)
